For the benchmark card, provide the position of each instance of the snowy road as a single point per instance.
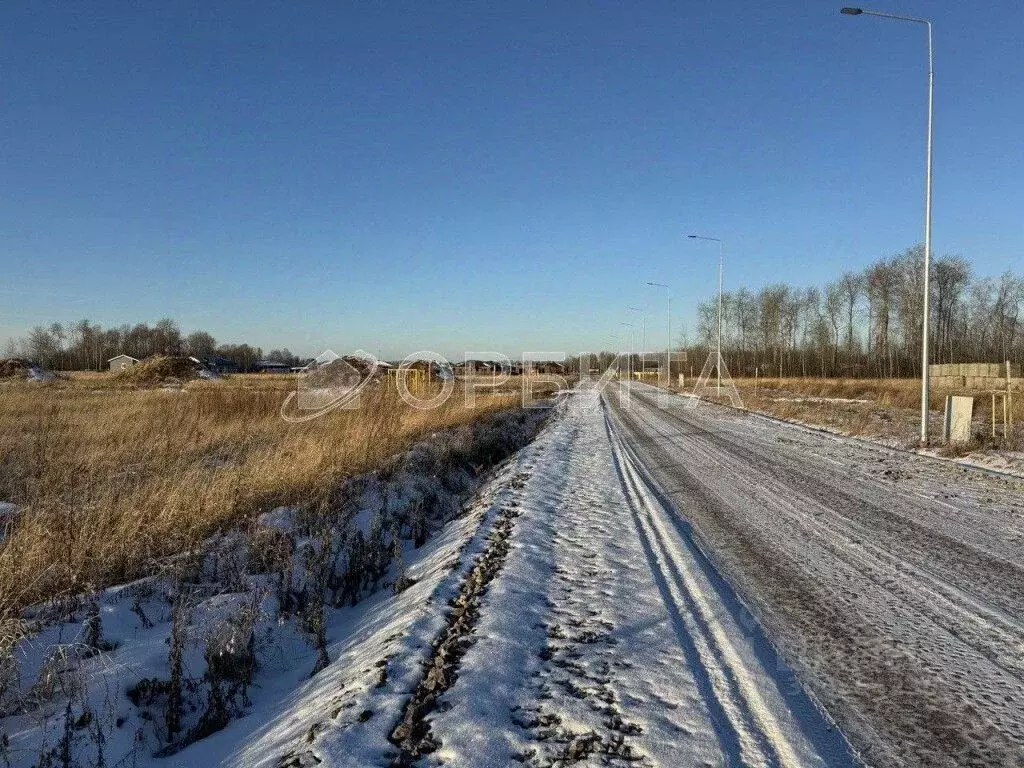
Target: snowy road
(608, 638)
(893, 582)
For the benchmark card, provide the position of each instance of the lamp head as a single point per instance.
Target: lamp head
(851, 11)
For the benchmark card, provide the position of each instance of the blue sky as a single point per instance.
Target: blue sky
(476, 176)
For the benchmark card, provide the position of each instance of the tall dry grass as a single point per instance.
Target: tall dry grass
(874, 407)
(894, 393)
(110, 480)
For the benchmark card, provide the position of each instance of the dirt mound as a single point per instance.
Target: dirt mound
(344, 373)
(17, 368)
(159, 371)
(11, 368)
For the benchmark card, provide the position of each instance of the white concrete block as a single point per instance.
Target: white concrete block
(959, 413)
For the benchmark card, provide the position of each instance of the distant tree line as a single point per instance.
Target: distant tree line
(868, 323)
(865, 324)
(83, 345)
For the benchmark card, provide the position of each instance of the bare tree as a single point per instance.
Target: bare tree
(200, 344)
(852, 286)
(835, 298)
(951, 276)
(787, 330)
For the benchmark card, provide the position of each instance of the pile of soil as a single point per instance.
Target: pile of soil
(14, 368)
(17, 368)
(160, 371)
(363, 365)
(344, 373)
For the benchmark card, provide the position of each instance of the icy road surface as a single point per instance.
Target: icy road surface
(608, 638)
(894, 583)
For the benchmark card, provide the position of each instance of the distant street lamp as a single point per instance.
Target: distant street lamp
(629, 360)
(643, 337)
(925, 383)
(668, 348)
(721, 261)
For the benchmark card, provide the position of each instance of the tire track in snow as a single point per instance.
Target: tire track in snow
(413, 735)
(749, 732)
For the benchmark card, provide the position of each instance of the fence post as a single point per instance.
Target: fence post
(1008, 406)
(993, 414)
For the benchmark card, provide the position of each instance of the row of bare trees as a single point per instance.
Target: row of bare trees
(83, 345)
(868, 323)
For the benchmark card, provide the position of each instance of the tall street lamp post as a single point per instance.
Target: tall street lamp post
(643, 337)
(925, 380)
(668, 347)
(629, 360)
(721, 261)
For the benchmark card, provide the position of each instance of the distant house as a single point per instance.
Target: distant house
(271, 366)
(121, 362)
(483, 367)
(467, 368)
(546, 366)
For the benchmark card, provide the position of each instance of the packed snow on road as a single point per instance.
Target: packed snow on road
(891, 581)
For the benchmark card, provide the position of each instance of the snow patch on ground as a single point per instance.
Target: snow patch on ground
(40, 375)
(1004, 462)
(816, 399)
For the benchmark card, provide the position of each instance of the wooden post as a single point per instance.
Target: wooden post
(755, 382)
(993, 414)
(1008, 403)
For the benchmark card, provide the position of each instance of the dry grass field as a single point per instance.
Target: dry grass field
(880, 408)
(111, 478)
